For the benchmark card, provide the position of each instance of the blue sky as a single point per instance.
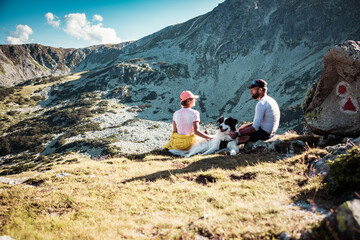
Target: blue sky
(83, 23)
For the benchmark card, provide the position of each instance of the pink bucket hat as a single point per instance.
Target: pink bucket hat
(186, 95)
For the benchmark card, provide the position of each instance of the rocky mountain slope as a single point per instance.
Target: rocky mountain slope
(218, 54)
(23, 62)
(215, 55)
(19, 63)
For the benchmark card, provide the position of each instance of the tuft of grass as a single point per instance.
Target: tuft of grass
(2, 70)
(130, 121)
(158, 196)
(345, 172)
(155, 126)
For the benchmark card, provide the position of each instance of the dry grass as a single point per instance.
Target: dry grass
(27, 91)
(247, 196)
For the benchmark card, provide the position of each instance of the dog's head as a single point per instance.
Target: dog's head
(227, 124)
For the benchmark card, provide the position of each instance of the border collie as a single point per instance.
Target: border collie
(221, 141)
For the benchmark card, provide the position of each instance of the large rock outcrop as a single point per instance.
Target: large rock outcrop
(332, 106)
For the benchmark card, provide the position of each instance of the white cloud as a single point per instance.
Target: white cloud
(20, 36)
(51, 20)
(97, 18)
(77, 25)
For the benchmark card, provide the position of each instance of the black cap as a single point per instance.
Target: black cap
(258, 83)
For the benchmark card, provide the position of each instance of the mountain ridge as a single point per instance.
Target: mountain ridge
(27, 61)
(217, 54)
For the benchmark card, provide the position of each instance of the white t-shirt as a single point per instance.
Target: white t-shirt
(184, 119)
(267, 115)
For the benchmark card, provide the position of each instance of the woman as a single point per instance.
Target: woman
(186, 124)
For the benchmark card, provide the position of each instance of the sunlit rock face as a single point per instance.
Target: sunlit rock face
(22, 62)
(334, 105)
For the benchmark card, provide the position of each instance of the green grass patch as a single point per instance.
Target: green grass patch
(345, 172)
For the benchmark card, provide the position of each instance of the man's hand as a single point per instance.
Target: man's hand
(233, 134)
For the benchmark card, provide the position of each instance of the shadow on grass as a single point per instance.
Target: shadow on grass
(218, 161)
(161, 154)
(32, 162)
(318, 198)
(325, 196)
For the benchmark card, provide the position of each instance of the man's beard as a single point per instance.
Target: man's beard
(255, 95)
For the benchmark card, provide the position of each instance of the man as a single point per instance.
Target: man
(266, 119)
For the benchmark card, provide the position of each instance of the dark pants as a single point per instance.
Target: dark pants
(260, 134)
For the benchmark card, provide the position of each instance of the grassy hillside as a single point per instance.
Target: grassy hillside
(157, 196)
(68, 171)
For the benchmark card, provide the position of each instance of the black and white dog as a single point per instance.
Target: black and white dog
(221, 140)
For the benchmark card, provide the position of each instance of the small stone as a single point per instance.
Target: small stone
(61, 175)
(284, 236)
(6, 238)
